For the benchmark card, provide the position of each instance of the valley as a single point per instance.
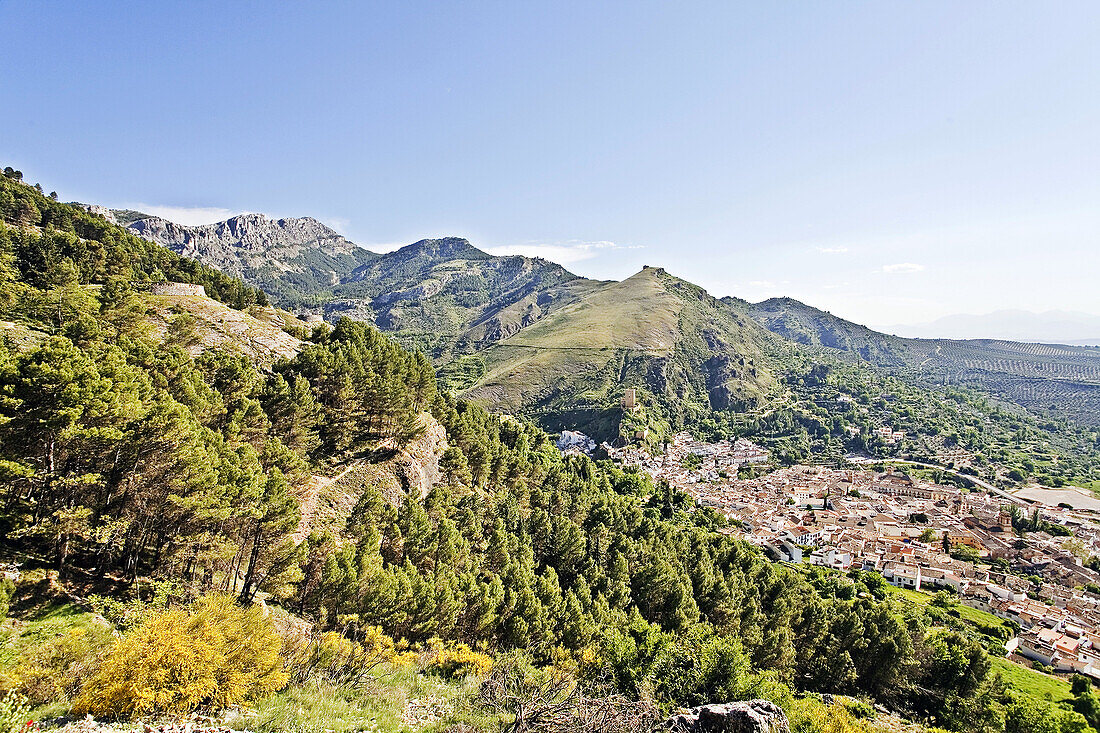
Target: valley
(530, 338)
(178, 452)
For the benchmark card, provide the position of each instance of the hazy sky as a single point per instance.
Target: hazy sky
(889, 161)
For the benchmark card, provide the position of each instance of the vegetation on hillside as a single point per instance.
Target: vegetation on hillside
(686, 353)
(1058, 382)
(126, 463)
(832, 407)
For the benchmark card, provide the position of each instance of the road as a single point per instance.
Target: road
(964, 476)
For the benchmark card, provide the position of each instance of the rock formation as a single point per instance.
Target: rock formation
(256, 248)
(748, 716)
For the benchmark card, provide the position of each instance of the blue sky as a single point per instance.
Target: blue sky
(889, 161)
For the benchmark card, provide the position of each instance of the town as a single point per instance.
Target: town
(1018, 559)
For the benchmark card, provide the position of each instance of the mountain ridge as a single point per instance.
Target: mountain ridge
(474, 313)
(288, 257)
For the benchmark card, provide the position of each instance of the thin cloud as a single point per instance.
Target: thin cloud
(902, 267)
(337, 224)
(832, 250)
(564, 253)
(187, 215)
(383, 247)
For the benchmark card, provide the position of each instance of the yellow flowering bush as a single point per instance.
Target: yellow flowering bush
(456, 660)
(14, 712)
(809, 715)
(212, 655)
(58, 664)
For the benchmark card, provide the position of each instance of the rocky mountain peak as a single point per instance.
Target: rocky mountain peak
(261, 249)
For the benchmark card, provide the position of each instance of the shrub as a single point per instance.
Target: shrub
(14, 712)
(126, 614)
(456, 661)
(7, 590)
(335, 659)
(59, 665)
(809, 715)
(860, 709)
(213, 655)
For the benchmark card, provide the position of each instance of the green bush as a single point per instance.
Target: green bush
(7, 590)
(57, 666)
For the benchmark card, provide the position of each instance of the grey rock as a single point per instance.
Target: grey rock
(747, 716)
(254, 247)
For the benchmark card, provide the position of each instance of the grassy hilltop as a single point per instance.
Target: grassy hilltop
(686, 352)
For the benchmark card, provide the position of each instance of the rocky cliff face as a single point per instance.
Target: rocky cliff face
(300, 255)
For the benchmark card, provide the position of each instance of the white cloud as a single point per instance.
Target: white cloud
(383, 247)
(761, 283)
(337, 224)
(563, 253)
(832, 250)
(902, 267)
(187, 215)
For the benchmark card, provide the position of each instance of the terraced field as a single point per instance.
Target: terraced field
(1055, 380)
(1071, 363)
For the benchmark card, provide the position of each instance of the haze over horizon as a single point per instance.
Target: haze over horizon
(888, 163)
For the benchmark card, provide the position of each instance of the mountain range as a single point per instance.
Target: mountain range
(1061, 327)
(525, 335)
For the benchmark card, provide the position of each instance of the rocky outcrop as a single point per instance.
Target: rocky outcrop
(748, 716)
(413, 469)
(258, 332)
(261, 250)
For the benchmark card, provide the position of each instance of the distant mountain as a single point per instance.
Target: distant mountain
(122, 217)
(450, 297)
(293, 260)
(811, 326)
(443, 295)
(1049, 327)
(1061, 380)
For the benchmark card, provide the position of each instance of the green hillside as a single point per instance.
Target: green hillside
(686, 352)
(447, 296)
(809, 326)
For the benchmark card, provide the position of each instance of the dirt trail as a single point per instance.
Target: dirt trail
(309, 497)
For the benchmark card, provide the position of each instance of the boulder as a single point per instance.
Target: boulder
(748, 716)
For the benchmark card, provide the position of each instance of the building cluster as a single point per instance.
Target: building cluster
(574, 442)
(917, 534)
(686, 460)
